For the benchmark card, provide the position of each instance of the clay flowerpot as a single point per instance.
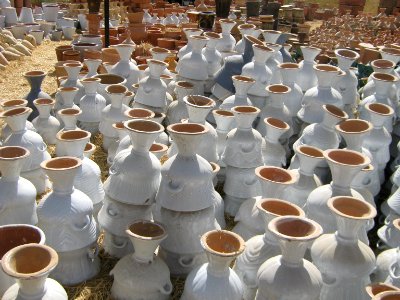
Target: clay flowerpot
(76, 232)
(31, 264)
(152, 275)
(13, 236)
(332, 253)
(46, 125)
(35, 79)
(294, 235)
(242, 85)
(221, 247)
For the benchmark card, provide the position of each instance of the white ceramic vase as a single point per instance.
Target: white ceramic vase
(46, 125)
(125, 67)
(177, 110)
(307, 77)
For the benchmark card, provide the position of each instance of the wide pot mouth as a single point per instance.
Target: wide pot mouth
(279, 207)
(326, 68)
(289, 66)
(246, 26)
(14, 103)
(156, 62)
(91, 80)
(139, 113)
(110, 79)
(384, 77)
(227, 21)
(72, 65)
(159, 50)
(245, 109)
(346, 157)
(310, 48)
(199, 37)
(15, 235)
(44, 101)
(187, 128)
(158, 148)
(148, 230)
(13, 152)
(242, 78)
(347, 53)
(389, 295)
(16, 112)
(275, 174)
(276, 123)
(144, 126)
(310, 151)
(374, 289)
(64, 47)
(252, 39)
(335, 111)
(263, 48)
(199, 101)
(212, 35)
(225, 113)
(118, 125)
(70, 111)
(116, 89)
(68, 89)
(73, 135)
(352, 208)
(383, 64)
(392, 51)
(29, 261)
(295, 228)
(185, 85)
(278, 89)
(223, 243)
(272, 31)
(61, 163)
(34, 73)
(83, 44)
(354, 126)
(89, 147)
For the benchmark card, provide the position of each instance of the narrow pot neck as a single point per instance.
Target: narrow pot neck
(63, 180)
(73, 72)
(342, 176)
(310, 54)
(292, 251)
(289, 76)
(218, 265)
(116, 100)
(68, 98)
(124, 52)
(11, 169)
(44, 111)
(90, 87)
(325, 78)
(348, 229)
(32, 288)
(69, 122)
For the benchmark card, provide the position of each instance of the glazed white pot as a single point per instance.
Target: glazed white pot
(307, 77)
(106, 80)
(228, 42)
(68, 118)
(46, 125)
(212, 55)
(244, 29)
(193, 65)
(73, 70)
(189, 32)
(125, 67)
(92, 66)
(177, 109)
(65, 99)
(223, 119)
(242, 85)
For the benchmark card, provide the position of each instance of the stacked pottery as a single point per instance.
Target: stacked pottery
(32, 141)
(46, 125)
(35, 79)
(241, 156)
(177, 109)
(88, 177)
(274, 153)
(311, 110)
(112, 113)
(198, 108)
(344, 165)
(75, 236)
(73, 70)
(273, 182)
(223, 119)
(125, 67)
(258, 70)
(294, 235)
(185, 197)
(307, 76)
(215, 279)
(149, 275)
(228, 42)
(65, 99)
(106, 80)
(323, 136)
(12, 236)
(152, 92)
(347, 84)
(213, 57)
(262, 247)
(30, 265)
(68, 118)
(189, 32)
(309, 157)
(193, 66)
(131, 187)
(92, 105)
(344, 261)
(244, 29)
(18, 197)
(289, 77)
(242, 85)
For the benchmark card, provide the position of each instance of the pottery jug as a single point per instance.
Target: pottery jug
(244, 29)
(223, 119)
(212, 55)
(35, 79)
(46, 125)
(106, 80)
(274, 153)
(92, 66)
(189, 32)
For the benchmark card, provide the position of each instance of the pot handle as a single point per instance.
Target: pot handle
(251, 182)
(166, 289)
(175, 188)
(247, 148)
(329, 281)
(111, 212)
(42, 147)
(113, 170)
(93, 252)
(85, 226)
(119, 246)
(189, 261)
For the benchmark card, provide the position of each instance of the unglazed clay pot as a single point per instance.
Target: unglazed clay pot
(262, 247)
(76, 232)
(12, 236)
(31, 264)
(69, 117)
(46, 125)
(149, 275)
(294, 235)
(215, 279)
(344, 261)
(32, 141)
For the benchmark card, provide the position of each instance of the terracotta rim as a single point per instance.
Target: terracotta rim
(263, 48)
(245, 110)
(147, 230)
(272, 31)
(72, 65)
(199, 101)
(16, 112)
(227, 21)
(187, 128)
(118, 126)
(29, 261)
(110, 79)
(139, 113)
(223, 243)
(310, 48)
(69, 112)
(68, 89)
(374, 289)
(246, 26)
(389, 295)
(351, 208)
(92, 59)
(225, 113)
(347, 53)
(243, 78)
(295, 228)
(90, 80)
(384, 77)
(73, 135)
(158, 148)
(276, 123)
(157, 62)
(274, 47)
(141, 67)
(14, 103)
(310, 151)
(159, 50)
(89, 147)
(289, 66)
(199, 37)
(346, 157)
(213, 35)
(185, 85)
(278, 89)
(13, 152)
(44, 101)
(36, 73)
(380, 109)
(354, 126)
(279, 207)
(335, 111)
(383, 64)
(61, 163)
(144, 126)
(391, 51)
(116, 89)
(275, 174)
(326, 68)
(253, 40)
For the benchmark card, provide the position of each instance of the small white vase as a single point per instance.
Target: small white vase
(244, 29)
(73, 70)
(188, 47)
(177, 109)
(307, 77)
(46, 125)
(194, 65)
(228, 42)
(125, 67)
(242, 85)
(65, 99)
(69, 117)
